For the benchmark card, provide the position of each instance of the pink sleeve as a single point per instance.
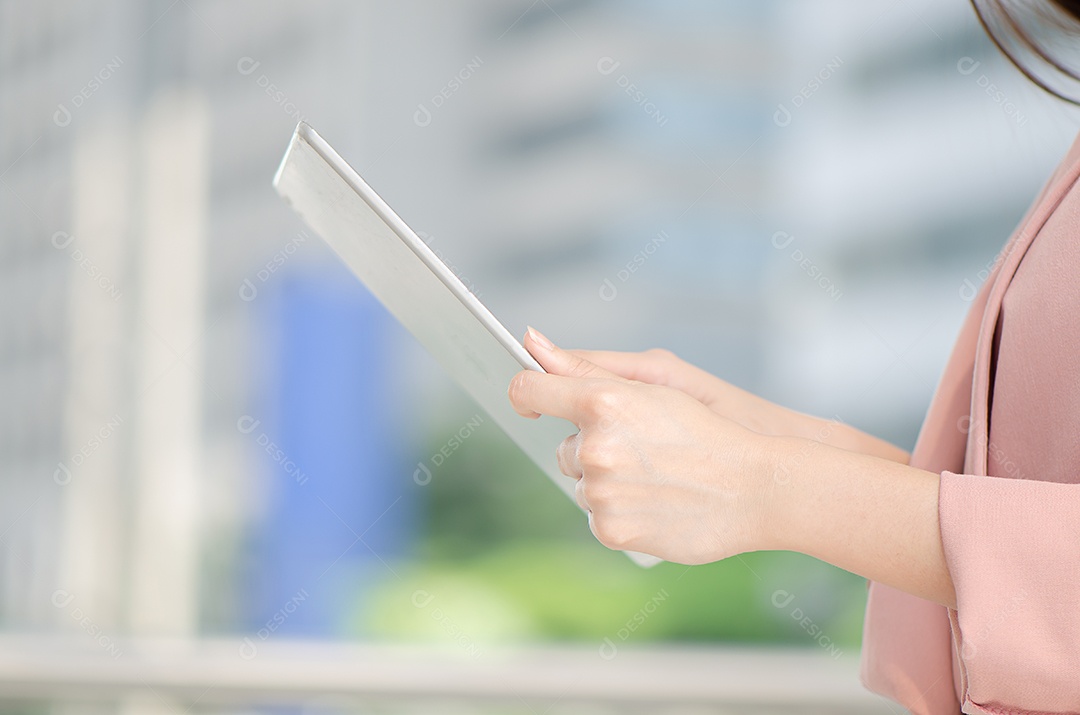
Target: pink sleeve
(1013, 550)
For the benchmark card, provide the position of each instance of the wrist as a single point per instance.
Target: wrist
(786, 466)
(770, 462)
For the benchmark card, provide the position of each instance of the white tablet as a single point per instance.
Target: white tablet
(420, 291)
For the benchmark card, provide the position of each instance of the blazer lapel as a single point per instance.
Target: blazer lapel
(1004, 269)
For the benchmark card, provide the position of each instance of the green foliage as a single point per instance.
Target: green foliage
(506, 557)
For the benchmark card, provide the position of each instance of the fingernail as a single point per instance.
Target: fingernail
(539, 338)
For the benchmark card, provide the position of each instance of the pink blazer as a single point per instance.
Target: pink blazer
(1003, 430)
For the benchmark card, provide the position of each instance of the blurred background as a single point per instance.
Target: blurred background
(212, 437)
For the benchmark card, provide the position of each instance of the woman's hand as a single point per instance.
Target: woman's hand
(658, 471)
(662, 473)
(662, 367)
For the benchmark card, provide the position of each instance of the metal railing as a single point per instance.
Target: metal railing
(210, 673)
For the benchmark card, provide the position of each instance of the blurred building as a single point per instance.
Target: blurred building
(150, 394)
(71, 328)
(617, 159)
(796, 196)
(910, 150)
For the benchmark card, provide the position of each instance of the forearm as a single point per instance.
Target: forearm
(843, 436)
(865, 514)
(661, 367)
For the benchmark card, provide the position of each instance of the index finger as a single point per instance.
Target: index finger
(630, 366)
(557, 361)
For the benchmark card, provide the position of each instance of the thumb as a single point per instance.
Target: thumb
(560, 362)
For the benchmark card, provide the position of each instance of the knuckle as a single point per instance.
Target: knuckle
(579, 494)
(664, 359)
(564, 455)
(597, 451)
(661, 355)
(613, 533)
(606, 400)
(600, 494)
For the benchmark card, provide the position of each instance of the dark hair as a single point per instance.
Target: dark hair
(1025, 31)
